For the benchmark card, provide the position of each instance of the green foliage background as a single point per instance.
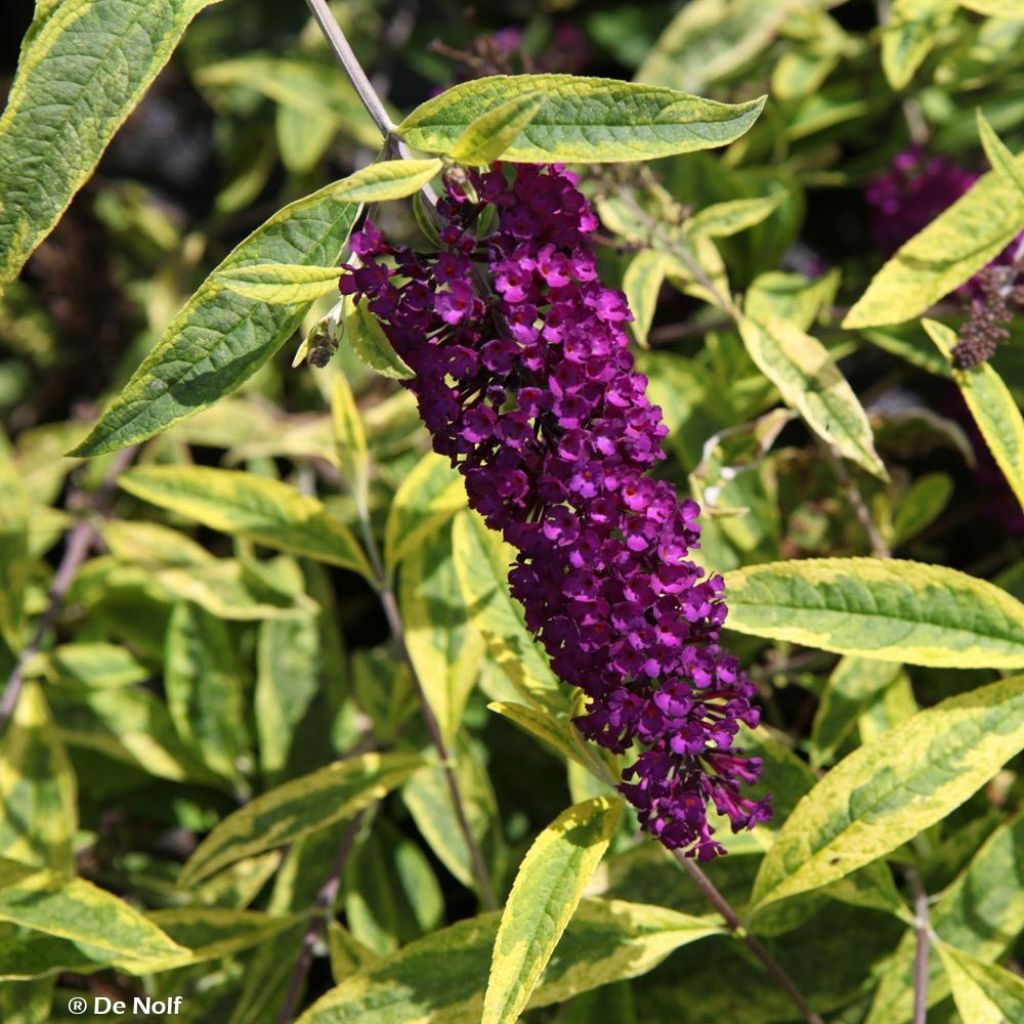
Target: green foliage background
(274, 736)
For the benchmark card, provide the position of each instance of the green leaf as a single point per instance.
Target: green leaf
(984, 993)
(428, 799)
(281, 284)
(203, 680)
(999, 157)
(722, 220)
(386, 180)
(297, 808)
(371, 344)
(909, 34)
(98, 664)
(993, 407)
(84, 70)
(441, 976)
(444, 646)
(894, 787)
(210, 933)
(642, 283)
(350, 440)
(14, 548)
(488, 137)
(941, 257)
(811, 383)
(544, 896)
(219, 339)
(710, 39)
(996, 8)
(482, 563)
(77, 910)
(890, 610)
(850, 690)
(426, 499)
(557, 736)
(979, 914)
(38, 794)
(792, 297)
(245, 505)
(923, 503)
(583, 119)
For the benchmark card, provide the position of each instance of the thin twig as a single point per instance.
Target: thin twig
(376, 110)
(356, 75)
(921, 950)
(879, 548)
(737, 927)
(323, 908)
(77, 545)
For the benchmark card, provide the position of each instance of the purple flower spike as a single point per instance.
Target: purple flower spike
(532, 394)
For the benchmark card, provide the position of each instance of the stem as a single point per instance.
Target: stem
(736, 926)
(376, 110)
(348, 60)
(77, 545)
(921, 950)
(879, 548)
(322, 910)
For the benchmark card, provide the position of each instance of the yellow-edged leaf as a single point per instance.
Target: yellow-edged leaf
(281, 284)
(487, 138)
(371, 344)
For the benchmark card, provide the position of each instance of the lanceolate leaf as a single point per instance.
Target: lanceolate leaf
(482, 564)
(299, 807)
(583, 119)
(281, 284)
(487, 138)
(77, 910)
(983, 993)
(894, 787)
(957, 244)
(371, 344)
(441, 977)
(999, 157)
(909, 34)
(219, 338)
(83, 72)
(14, 550)
(546, 892)
(386, 179)
(888, 609)
(993, 407)
(245, 505)
(810, 382)
(213, 932)
(642, 282)
(721, 220)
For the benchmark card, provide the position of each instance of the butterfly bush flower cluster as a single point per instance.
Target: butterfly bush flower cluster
(524, 379)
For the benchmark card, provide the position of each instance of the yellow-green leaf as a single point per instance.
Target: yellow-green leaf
(444, 645)
(482, 562)
(721, 220)
(219, 339)
(385, 180)
(299, 807)
(81, 74)
(999, 157)
(909, 34)
(440, 978)
(14, 546)
(350, 440)
(887, 609)
(993, 407)
(983, 993)
(544, 896)
(642, 283)
(894, 787)
(811, 383)
(583, 119)
(245, 505)
(996, 8)
(956, 245)
(371, 344)
(486, 139)
(38, 795)
(210, 933)
(77, 910)
(426, 499)
(979, 914)
(281, 284)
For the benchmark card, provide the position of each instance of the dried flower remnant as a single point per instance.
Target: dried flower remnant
(531, 392)
(1000, 296)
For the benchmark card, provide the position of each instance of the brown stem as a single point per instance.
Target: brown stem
(737, 927)
(323, 908)
(879, 548)
(77, 545)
